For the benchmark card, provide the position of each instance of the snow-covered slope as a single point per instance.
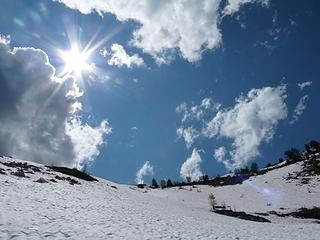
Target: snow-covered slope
(105, 210)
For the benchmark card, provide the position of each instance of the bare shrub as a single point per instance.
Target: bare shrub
(212, 200)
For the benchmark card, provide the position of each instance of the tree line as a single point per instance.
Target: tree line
(292, 155)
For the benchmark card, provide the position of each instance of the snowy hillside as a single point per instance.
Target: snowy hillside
(40, 203)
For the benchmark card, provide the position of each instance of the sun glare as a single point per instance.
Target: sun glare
(75, 60)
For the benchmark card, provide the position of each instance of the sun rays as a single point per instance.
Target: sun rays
(75, 60)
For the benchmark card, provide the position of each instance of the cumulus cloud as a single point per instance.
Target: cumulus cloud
(234, 5)
(146, 169)
(194, 112)
(86, 139)
(304, 85)
(191, 167)
(36, 108)
(188, 134)
(220, 154)
(165, 27)
(183, 109)
(299, 109)
(250, 122)
(119, 57)
(197, 112)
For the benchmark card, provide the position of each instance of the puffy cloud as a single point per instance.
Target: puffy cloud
(197, 112)
(299, 109)
(250, 122)
(304, 85)
(220, 154)
(191, 27)
(234, 5)
(5, 40)
(119, 57)
(86, 139)
(36, 107)
(188, 134)
(191, 167)
(146, 169)
(194, 112)
(183, 109)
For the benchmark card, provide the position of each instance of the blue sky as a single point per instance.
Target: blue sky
(146, 65)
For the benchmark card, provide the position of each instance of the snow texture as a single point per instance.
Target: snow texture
(105, 210)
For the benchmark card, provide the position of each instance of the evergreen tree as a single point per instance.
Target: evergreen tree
(313, 146)
(169, 183)
(293, 155)
(245, 170)
(237, 171)
(254, 168)
(163, 183)
(268, 165)
(205, 178)
(154, 183)
(308, 149)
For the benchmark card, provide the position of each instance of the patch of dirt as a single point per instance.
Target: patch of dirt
(19, 174)
(241, 215)
(313, 213)
(22, 166)
(73, 172)
(68, 179)
(2, 171)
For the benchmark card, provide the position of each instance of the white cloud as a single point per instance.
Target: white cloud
(5, 40)
(146, 169)
(188, 134)
(234, 5)
(220, 154)
(36, 107)
(194, 112)
(86, 139)
(197, 112)
(250, 122)
(191, 27)
(208, 103)
(183, 109)
(304, 85)
(191, 167)
(134, 128)
(299, 109)
(119, 57)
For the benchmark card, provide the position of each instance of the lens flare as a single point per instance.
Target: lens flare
(75, 60)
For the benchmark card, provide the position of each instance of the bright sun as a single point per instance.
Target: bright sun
(75, 60)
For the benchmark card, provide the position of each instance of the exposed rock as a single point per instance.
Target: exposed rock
(22, 166)
(313, 213)
(2, 171)
(41, 180)
(72, 172)
(241, 215)
(19, 174)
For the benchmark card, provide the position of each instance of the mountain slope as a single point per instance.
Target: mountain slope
(79, 209)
